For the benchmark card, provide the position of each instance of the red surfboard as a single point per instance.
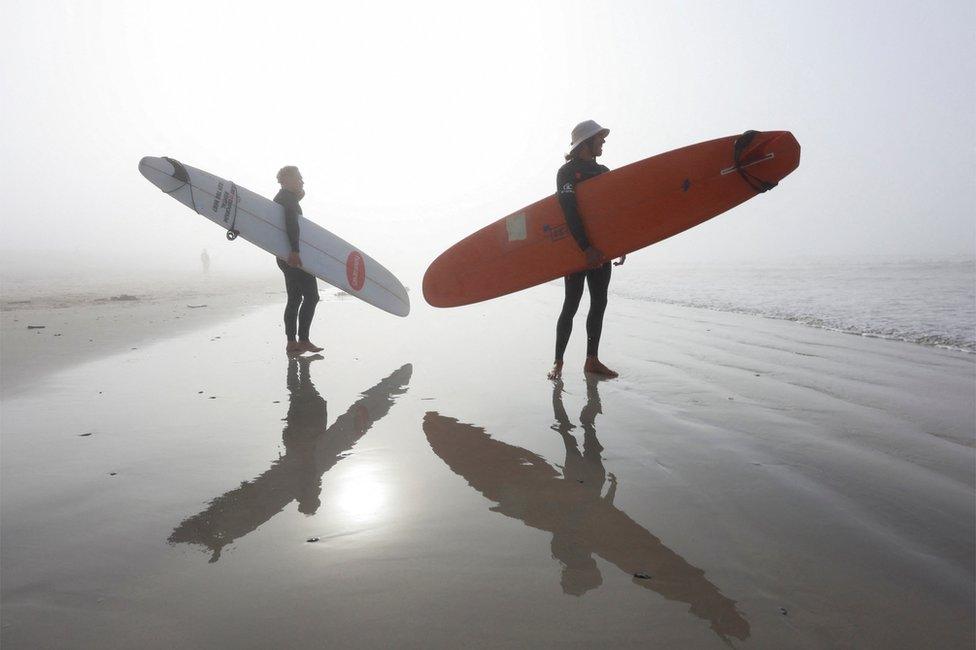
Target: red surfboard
(623, 210)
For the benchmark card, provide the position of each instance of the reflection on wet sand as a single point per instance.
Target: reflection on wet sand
(572, 507)
(311, 450)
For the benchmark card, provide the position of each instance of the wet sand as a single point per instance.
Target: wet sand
(43, 332)
(745, 483)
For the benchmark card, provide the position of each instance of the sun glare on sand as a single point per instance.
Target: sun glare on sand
(362, 495)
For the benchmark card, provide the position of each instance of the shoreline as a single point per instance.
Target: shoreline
(94, 324)
(805, 321)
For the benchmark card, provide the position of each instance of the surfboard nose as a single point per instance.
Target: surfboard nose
(161, 173)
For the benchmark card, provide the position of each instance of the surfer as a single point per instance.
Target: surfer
(587, 143)
(303, 290)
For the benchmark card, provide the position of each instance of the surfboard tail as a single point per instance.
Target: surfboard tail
(162, 173)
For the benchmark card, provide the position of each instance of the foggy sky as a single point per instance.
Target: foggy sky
(414, 124)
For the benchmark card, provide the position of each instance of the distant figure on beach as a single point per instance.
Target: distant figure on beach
(303, 290)
(205, 261)
(587, 143)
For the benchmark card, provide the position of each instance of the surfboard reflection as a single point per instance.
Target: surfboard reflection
(311, 450)
(573, 507)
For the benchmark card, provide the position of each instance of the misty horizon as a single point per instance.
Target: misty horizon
(409, 144)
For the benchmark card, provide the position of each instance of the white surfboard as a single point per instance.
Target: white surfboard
(262, 222)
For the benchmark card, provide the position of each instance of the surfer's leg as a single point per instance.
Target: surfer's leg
(294, 290)
(598, 281)
(564, 326)
(310, 298)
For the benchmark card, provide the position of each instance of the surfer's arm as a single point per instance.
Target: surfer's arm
(291, 228)
(288, 202)
(291, 225)
(566, 193)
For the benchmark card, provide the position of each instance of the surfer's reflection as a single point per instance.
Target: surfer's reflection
(573, 507)
(311, 449)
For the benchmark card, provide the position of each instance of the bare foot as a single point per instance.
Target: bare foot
(308, 346)
(293, 348)
(557, 371)
(594, 366)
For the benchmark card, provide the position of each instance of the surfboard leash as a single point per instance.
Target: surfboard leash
(232, 232)
(756, 183)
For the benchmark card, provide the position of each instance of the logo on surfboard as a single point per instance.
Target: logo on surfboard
(555, 232)
(227, 201)
(356, 270)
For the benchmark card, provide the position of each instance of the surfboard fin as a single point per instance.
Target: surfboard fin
(179, 171)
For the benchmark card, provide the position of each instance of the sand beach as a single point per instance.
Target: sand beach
(746, 482)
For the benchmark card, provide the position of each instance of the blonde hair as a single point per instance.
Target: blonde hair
(287, 170)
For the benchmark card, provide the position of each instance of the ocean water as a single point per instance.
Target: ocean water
(928, 301)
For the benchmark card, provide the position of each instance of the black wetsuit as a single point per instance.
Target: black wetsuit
(573, 172)
(303, 291)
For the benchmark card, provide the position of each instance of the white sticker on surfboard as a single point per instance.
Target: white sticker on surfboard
(515, 225)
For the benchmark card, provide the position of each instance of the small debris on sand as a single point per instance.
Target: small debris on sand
(312, 539)
(196, 306)
(36, 327)
(642, 576)
(84, 435)
(123, 296)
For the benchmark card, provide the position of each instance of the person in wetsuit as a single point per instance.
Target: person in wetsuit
(587, 143)
(303, 291)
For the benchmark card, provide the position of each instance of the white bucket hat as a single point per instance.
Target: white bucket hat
(584, 131)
